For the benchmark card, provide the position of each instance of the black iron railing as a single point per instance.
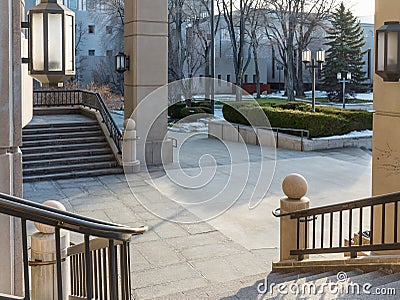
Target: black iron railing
(324, 229)
(59, 98)
(100, 267)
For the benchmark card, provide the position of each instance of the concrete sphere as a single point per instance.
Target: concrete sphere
(46, 228)
(129, 124)
(295, 186)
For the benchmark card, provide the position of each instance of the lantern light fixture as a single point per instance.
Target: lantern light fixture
(313, 64)
(387, 60)
(51, 48)
(121, 62)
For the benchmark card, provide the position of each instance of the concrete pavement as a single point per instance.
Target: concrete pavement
(224, 255)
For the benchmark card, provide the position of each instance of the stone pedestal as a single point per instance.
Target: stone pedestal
(295, 187)
(131, 164)
(386, 137)
(146, 43)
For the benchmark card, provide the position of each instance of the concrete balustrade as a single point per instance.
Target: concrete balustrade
(43, 258)
(295, 188)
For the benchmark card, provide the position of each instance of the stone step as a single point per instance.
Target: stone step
(66, 128)
(61, 135)
(63, 148)
(73, 174)
(45, 162)
(81, 140)
(61, 154)
(73, 124)
(69, 168)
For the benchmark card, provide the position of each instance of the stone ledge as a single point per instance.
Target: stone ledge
(226, 131)
(389, 263)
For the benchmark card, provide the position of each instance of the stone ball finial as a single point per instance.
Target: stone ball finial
(295, 186)
(46, 228)
(129, 124)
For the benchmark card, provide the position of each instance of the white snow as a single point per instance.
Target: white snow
(353, 134)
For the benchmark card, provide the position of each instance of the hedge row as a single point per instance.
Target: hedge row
(325, 121)
(179, 110)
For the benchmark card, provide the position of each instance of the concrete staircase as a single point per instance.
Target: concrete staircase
(65, 147)
(352, 285)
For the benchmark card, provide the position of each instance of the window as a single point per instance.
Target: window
(108, 29)
(246, 78)
(91, 4)
(273, 63)
(254, 78)
(91, 28)
(219, 79)
(91, 52)
(228, 78)
(72, 4)
(109, 52)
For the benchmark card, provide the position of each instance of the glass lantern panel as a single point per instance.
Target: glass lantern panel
(69, 43)
(380, 52)
(55, 45)
(37, 42)
(306, 56)
(392, 52)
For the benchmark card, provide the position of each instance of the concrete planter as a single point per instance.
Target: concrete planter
(226, 131)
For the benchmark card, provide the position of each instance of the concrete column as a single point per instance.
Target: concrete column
(146, 42)
(295, 188)
(10, 139)
(386, 137)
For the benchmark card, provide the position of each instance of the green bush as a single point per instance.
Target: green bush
(187, 111)
(326, 121)
(174, 111)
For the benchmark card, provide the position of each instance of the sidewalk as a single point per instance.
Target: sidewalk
(223, 257)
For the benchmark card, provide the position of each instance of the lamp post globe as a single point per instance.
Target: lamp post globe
(51, 42)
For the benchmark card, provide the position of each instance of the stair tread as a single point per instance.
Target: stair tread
(69, 166)
(89, 127)
(66, 159)
(73, 174)
(71, 153)
(88, 145)
(58, 135)
(69, 140)
(61, 124)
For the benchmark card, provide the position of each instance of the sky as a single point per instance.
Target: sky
(362, 8)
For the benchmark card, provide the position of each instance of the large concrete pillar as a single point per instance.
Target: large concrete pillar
(386, 138)
(10, 139)
(146, 42)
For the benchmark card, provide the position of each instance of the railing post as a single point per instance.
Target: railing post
(131, 164)
(295, 188)
(43, 261)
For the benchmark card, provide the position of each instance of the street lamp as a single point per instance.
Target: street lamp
(344, 81)
(51, 49)
(121, 62)
(314, 64)
(387, 62)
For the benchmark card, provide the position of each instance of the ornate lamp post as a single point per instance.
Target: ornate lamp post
(51, 49)
(388, 51)
(314, 64)
(344, 81)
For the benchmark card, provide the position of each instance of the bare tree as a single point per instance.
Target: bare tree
(290, 27)
(235, 17)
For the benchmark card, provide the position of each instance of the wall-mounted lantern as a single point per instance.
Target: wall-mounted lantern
(51, 47)
(121, 62)
(387, 61)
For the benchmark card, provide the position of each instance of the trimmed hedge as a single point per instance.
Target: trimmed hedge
(326, 121)
(179, 110)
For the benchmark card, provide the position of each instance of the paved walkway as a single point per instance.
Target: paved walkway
(221, 258)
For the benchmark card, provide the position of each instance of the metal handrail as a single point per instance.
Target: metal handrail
(117, 238)
(354, 210)
(58, 98)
